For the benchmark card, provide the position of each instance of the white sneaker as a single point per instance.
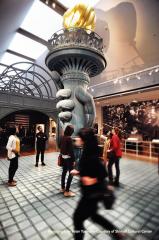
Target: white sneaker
(69, 194)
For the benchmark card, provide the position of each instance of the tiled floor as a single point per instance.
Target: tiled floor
(35, 209)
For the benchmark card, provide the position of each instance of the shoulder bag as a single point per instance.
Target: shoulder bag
(60, 161)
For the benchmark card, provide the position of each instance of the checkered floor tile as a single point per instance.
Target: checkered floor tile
(35, 209)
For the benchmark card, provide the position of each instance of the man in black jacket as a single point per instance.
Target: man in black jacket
(41, 139)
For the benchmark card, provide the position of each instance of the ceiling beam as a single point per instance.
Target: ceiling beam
(32, 36)
(56, 6)
(20, 55)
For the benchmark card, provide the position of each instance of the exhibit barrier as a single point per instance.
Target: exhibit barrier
(144, 148)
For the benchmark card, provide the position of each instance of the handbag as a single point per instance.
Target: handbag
(104, 194)
(111, 155)
(108, 198)
(60, 161)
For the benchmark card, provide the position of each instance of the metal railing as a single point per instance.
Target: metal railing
(78, 37)
(141, 148)
(148, 149)
(28, 79)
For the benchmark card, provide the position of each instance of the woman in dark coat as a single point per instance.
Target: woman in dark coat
(92, 175)
(68, 158)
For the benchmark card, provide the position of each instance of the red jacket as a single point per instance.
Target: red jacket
(115, 145)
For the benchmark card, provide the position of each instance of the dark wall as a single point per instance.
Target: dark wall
(26, 122)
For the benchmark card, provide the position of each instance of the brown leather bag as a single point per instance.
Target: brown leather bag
(60, 160)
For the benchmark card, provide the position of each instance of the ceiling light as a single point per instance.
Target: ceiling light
(156, 70)
(150, 73)
(127, 79)
(53, 5)
(138, 77)
(92, 89)
(115, 81)
(68, 3)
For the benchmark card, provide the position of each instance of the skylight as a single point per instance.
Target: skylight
(9, 59)
(68, 3)
(2, 69)
(26, 46)
(42, 21)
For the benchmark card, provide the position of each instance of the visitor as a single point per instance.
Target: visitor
(13, 147)
(115, 155)
(92, 177)
(106, 149)
(41, 139)
(66, 149)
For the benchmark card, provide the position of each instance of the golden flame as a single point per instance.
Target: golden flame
(81, 16)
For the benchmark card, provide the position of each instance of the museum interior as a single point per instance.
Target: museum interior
(89, 64)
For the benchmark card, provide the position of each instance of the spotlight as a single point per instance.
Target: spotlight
(127, 79)
(47, 2)
(92, 89)
(138, 77)
(53, 5)
(150, 73)
(115, 81)
(157, 70)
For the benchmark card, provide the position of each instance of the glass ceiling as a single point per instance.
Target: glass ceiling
(26, 46)
(42, 21)
(9, 59)
(71, 3)
(2, 69)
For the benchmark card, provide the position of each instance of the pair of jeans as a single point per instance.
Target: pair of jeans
(112, 161)
(13, 168)
(67, 167)
(88, 208)
(40, 151)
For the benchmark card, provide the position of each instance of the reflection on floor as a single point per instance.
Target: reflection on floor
(35, 209)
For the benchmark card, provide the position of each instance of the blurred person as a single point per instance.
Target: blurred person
(116, 154)
(106, 149)
(134, 131)
(92, 178)
(102, 136)
(13, 147)
(41, 139)
(67, 151)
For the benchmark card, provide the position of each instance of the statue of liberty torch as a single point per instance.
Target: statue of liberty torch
(76, 53)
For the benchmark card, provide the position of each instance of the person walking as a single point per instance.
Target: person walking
(13, 147)
(115, 155)
(41, 139)
(92, 176)
(66, 149)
